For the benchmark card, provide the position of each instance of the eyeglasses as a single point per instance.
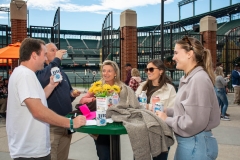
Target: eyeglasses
(149, 69)
(185, 38)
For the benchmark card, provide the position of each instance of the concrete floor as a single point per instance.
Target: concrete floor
(83, 147)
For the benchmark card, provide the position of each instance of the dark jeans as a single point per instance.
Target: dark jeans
(48, 157)
(103, 147)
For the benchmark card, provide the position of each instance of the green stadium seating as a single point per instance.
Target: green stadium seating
(91, 44)
(228, 26)
(76, 43)
(63, 44)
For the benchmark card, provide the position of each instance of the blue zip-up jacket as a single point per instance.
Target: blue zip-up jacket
(60, 100)
(235, 78)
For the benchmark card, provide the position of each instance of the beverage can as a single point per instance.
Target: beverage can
(65, 55)
(55, 71)
(158, 107)
(101, 118)
(155, 99)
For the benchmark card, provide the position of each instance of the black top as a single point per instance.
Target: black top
(149, 90)
(60, 100)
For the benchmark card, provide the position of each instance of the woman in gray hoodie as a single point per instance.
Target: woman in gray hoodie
(196, 111)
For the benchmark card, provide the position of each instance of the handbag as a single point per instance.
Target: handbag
(91, 105)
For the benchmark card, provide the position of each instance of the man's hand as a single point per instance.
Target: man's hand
(52, 83)
(79, 121)
(75, 93)
(50, 87)
(60, 53)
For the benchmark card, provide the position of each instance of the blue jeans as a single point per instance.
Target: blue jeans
(219, 100)
(221, 94)
(202, 146)
(103, 147)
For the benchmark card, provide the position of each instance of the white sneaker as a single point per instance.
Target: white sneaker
(225, 118)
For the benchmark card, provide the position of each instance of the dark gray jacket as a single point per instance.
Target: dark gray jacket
(60, 100)
(148, 134)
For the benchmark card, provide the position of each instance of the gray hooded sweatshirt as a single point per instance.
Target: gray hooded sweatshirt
(196, 106)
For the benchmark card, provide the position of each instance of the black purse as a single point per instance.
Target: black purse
(91, 105)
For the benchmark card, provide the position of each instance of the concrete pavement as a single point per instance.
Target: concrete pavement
(83, 147)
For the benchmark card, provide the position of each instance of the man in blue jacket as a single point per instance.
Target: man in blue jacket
(236, 83)
(60, 101)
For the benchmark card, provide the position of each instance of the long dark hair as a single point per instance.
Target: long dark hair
(164, 79)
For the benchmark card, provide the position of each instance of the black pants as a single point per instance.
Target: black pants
(103, 147)
(48, 157)
(162, 156)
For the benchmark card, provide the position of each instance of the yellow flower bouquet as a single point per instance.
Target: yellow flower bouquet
(103, 90)
(106, 95)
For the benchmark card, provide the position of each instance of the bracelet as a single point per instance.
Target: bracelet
(71, 124)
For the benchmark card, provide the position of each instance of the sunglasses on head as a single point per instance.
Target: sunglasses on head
(149, 69)
(185, 38)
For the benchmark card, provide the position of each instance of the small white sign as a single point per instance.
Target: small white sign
(103, 103)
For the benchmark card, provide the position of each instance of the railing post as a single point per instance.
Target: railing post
(226, 55)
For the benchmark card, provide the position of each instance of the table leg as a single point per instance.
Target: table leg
(115, 148)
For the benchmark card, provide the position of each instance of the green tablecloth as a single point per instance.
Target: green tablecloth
(114, 128)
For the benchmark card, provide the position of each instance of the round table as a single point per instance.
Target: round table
(114, 129)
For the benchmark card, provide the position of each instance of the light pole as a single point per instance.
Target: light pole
(162, 25)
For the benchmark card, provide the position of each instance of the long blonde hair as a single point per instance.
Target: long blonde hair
(116, 69)
(203, 56)
(219, 71)
(135, 72)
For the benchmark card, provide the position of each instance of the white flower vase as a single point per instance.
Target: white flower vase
(103, 103)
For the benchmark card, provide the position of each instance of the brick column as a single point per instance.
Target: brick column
(128, 24)
(18, 14)
(208, 28)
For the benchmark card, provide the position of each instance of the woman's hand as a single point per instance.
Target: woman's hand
(150, 107)
(161, 115)
(165, 110)
(75, 93)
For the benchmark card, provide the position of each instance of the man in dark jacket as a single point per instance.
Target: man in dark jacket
(60, 101)
(236, 83)
(128, 68)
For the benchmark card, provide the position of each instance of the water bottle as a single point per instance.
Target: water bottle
(142, 98)
(115, 99)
